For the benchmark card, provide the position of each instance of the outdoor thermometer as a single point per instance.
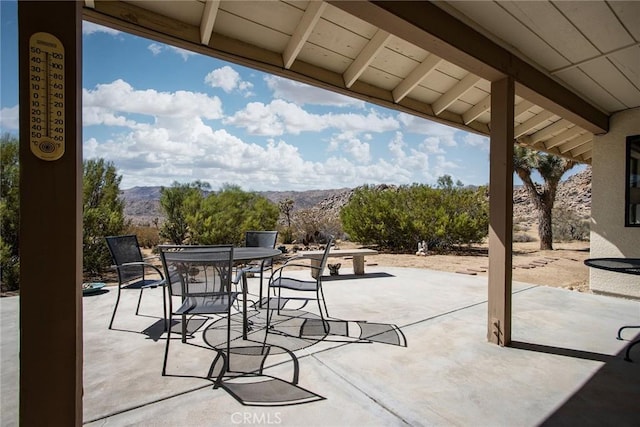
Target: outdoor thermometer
(46, 96)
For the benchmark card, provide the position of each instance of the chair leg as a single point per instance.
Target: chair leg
(218, 381)
(113, 316)
(325, 323)
(166, 347)
(139, 300)
(261, 275)
(324, 302)
(184, 328)
(266, 330)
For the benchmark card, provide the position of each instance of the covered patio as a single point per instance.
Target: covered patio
(561, 77)
(564, 366)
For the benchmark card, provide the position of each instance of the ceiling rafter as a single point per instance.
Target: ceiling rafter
(522, 107)
(414, 78)
(549, 131)
(587, 156)
(453, 94)
(582, 149)
(564, 137)
(477, 110)
(365, 57)
(575, 142)
(429, 27)
(208, 20)
(534, 121)
(302, 32)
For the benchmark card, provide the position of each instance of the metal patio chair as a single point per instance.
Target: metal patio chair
(132, 268)
(279, 281)
(263, 239)
(201, 277)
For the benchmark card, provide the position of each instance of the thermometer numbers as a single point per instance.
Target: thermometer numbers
(46, 96)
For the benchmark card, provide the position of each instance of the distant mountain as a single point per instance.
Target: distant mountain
(142, 204)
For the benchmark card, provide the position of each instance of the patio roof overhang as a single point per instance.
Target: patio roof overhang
(434, 60)
(545, 74)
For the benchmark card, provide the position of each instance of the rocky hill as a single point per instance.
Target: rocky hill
(142, 204)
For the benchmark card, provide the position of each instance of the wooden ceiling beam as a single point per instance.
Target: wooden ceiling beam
(416, 76)
(523, 107)
(302, 32)
(550, 130)
(208, 20)
(582, 149)
(564, 137)
(574, 143)
(365, 57)
(477, 110)
(453, 94)
(534, 121)
(427, 26)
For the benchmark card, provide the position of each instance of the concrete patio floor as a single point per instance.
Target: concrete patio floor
(565, 366)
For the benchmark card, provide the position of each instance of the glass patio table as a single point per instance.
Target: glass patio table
(619, 265)
(243, 255)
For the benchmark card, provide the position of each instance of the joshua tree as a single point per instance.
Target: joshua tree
(551, 168)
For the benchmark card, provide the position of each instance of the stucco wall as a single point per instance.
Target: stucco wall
(609, 236)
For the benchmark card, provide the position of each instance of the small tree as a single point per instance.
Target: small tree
(551, 168)
(286, 209)
(9, 213)
(103, 213)
(177, 202)
(224, 216)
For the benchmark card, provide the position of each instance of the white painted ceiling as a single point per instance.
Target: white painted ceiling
(590, 48)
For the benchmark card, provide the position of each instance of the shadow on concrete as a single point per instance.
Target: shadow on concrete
(610, 397)
(377, 275)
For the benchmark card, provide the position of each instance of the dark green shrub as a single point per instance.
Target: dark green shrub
(398, 218)
(103, 213)
(9, 214)
(219, 218)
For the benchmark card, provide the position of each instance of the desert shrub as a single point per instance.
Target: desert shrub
(314, 226)
(398, 218)
(9, 213)
(522, 238)
(219, 218)
(568, 225)
(148, 237)
(103, 213)
(285, 235)
(177, 202)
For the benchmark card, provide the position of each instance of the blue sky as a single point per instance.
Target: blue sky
(162, 114)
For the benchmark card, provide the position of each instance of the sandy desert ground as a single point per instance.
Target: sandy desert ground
(561, 267)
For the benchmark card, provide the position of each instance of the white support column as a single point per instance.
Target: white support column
(501, 211)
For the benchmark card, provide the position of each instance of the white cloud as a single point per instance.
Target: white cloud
(475, 140)
(301, 94)
(351, 145)
(228, 79)
(157, 49)
(414, 124)
(280, 117)
(102, 103)
(9, 118)
(182, 52)
(91, 28)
